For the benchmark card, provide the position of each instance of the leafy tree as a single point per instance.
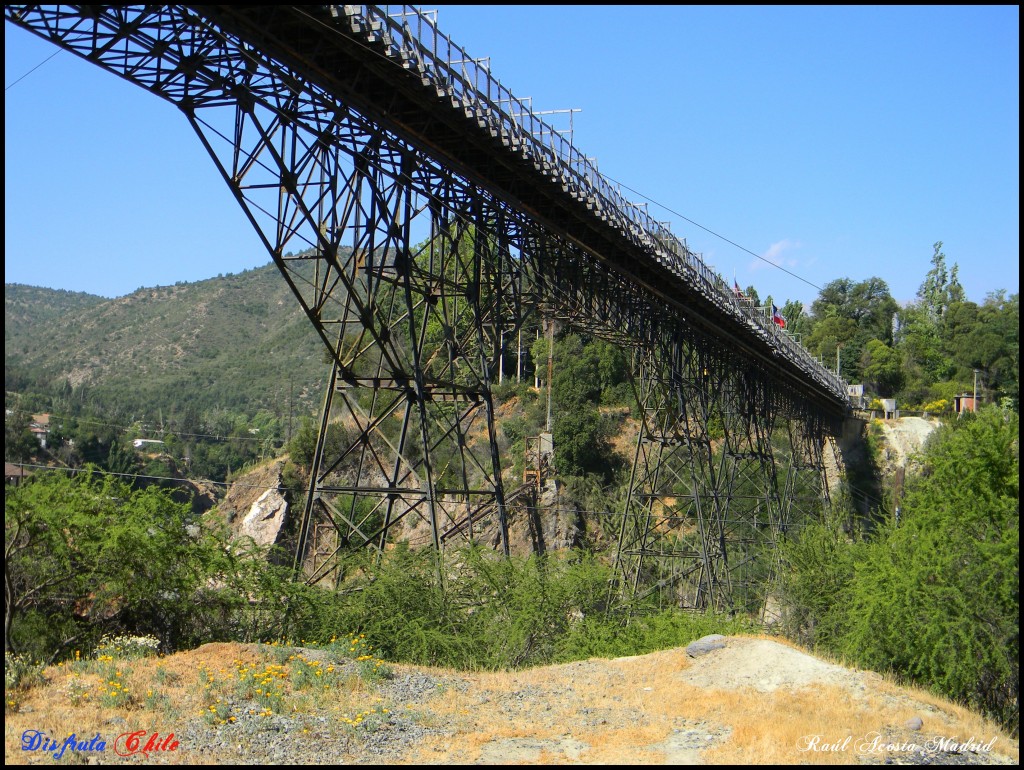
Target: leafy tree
(949, 572)
(121, 459)
(20, 445)
(820, 572)
(845, 317)
(539, 355)
(867, 303)
(302, 448)
(584, 372)
(797, 322)
(940, 289)
(943, 339)
(86, 554)
(582, 444)
(829, 334)
(920, 344)
(987, 338)
(882, 368)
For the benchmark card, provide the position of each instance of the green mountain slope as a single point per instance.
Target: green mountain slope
(26, 307)
(239, 343)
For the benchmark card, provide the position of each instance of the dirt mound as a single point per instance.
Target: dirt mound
(764, 665)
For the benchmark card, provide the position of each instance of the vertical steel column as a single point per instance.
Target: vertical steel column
(806, 491)
(404, 279)
(705, 510)
(671, 538)
(750, 489)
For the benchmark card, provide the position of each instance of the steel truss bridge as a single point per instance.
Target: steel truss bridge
(421, 214)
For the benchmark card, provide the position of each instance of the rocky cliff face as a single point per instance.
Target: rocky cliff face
(875, 453)
(902, 441)
(255, 506)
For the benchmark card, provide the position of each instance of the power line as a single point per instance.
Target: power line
(651, 200)
(101, 472)
(722, 237)
(12, 85)
(609, 178)
(126, 428)
(556, 510)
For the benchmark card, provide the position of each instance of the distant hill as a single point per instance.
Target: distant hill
(26, 307)
(239, 342)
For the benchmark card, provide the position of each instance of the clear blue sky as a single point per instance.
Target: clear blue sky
(834, 141)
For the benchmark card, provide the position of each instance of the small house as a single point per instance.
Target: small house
(965, 403)
(856, 395)
(14, 474)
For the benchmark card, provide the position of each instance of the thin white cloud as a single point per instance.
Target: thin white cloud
(776, 255)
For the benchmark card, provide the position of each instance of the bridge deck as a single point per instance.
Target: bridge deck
(426, 89)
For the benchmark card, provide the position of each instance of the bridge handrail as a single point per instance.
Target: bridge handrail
(447, 67)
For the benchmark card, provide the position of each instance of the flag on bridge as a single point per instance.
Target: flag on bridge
(736, 289)
(777, 318)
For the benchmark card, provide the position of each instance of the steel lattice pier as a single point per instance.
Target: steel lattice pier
(420, 224)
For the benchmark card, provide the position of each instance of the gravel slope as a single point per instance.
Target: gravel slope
(747, 700)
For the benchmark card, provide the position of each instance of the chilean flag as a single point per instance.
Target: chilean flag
(777, 317)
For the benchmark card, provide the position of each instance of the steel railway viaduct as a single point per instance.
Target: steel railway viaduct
(421, 213)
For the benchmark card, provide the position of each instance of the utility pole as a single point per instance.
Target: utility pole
(291, 401)
(974, 403)
(519, 363)
(536, 368)
(551, 360)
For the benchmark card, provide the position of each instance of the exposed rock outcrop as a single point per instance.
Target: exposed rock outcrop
(255, 506)
(903, 440)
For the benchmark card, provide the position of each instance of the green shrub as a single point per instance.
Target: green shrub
(935, 597)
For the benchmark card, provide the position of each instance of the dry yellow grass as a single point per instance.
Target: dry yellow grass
(663, 708)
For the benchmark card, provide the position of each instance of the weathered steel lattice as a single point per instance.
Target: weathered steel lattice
(420, 212)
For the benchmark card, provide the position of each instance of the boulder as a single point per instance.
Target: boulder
(705, 644)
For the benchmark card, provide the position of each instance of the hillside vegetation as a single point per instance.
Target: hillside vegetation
(234, 343)
(228, 367)
(28, 308)
(232, 356)
(226, 373)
